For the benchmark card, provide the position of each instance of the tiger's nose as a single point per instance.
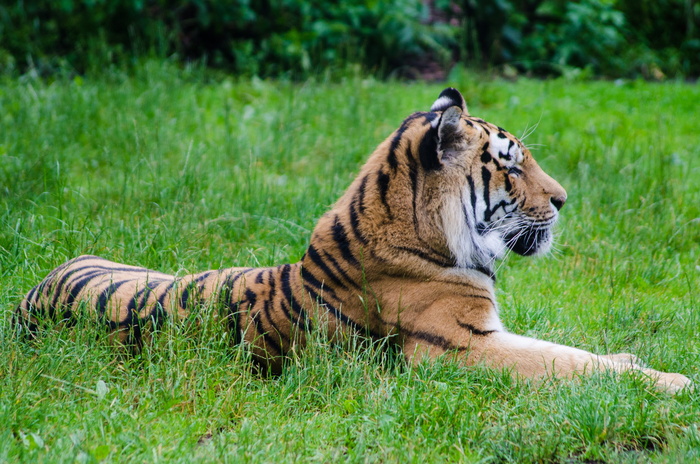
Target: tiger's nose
(558, 201)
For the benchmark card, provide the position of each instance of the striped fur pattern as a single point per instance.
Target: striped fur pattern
(408, 252)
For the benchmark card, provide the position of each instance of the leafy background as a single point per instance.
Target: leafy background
(408, 38)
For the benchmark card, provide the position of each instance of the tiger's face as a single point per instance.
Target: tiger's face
(502, 200)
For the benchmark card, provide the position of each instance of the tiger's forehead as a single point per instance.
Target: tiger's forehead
(502, 145)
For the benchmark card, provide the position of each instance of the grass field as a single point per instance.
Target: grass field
(182, 171)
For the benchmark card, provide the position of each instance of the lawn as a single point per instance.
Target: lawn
(183, 170)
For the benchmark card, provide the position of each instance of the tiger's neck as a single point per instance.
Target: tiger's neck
(374, 230)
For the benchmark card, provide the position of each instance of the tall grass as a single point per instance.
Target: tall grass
(183, 171)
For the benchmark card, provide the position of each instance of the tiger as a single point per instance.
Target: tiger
(406, 254)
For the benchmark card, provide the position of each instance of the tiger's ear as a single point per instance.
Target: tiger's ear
(452, 139)
(448, 98)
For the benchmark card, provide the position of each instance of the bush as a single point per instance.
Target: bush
(265, 37)
(609, 37)
(296, 38)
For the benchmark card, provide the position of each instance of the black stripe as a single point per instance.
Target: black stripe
(57, 289)
(78, 286)
(233, 313)
(193, 287)
(413, 176)
(71, 262)
(234, 322)
(480, 297)
(282, 335)
(445, 262)
(259, 277)
(301, 321)
(49, 278)
(142, 295)
(486, 178)
(341, 240)
(341, 271)
(501, 204)
(202, 281)
(235, 310)
(267, 338)
(185, 296)
(205, 276)
(159, 313)
(150, 286)
(131, 305)
(429, 117)
(391, 158)
(30, 295)
(107, 293)
(383, 185)
(257, 322)
(433, 339)
(251, 297)
(318, 261)
(472, 194)
(309, 278)
(288, 315)
(166, 290)
(132, 322)
(361, 195)
(428, 151)
(271, 282)
(393, 162)
(485, 270)
(508, 185)
(355, 224)
(231, 279)
(474, 330)
(121, 269)
(340, 315)
(233, 316)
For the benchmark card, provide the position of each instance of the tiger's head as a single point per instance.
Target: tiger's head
(494, 196)
(445, 189)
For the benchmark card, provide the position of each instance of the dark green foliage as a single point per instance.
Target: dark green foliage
(267, 37)
(297, 38)
(610, 37)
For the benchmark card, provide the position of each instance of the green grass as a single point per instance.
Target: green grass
(182, 171)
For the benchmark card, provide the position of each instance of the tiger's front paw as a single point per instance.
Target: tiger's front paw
(670, 382)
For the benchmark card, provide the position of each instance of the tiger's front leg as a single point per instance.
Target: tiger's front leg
(534, 358)
(526, 357)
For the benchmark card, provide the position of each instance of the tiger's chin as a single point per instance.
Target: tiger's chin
(530, 241)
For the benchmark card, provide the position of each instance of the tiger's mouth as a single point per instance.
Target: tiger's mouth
(530, 239)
